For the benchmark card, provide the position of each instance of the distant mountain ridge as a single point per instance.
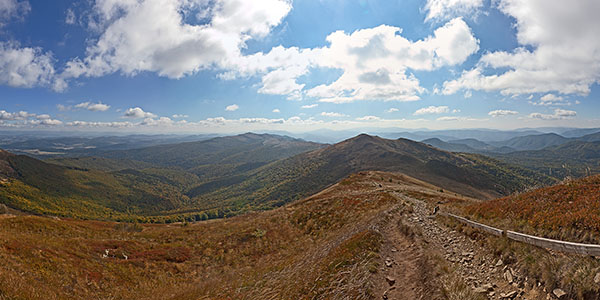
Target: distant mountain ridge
(237, 177)
(292, 178)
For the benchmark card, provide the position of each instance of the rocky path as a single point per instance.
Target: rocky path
(404, 261)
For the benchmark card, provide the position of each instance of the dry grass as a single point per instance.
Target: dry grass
(322, 247)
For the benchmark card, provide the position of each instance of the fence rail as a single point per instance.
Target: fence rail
(558, 245)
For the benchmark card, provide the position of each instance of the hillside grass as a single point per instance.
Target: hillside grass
(322, 247)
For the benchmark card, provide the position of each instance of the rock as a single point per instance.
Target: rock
(483, 288)
(394, 250)
(509, 295)
(508, 276)
(390, 280)
(560, 294)
(597, 278)
(499, 263)
(389, 262)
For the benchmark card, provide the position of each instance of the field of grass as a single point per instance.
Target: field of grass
(321, 247)
(567, 211)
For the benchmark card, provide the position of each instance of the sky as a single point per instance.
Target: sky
(218, 66)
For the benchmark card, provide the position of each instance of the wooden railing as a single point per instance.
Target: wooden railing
(568, 247)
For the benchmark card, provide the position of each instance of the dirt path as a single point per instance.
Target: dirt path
(403, 273)
(485, 276)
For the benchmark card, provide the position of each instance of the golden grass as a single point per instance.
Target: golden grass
(322, 247)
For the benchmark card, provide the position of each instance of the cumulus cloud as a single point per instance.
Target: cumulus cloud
(154, 35)
(276, 110)
(332, 114)
(551, 99)
(22, 118)
(375, 61)
(232, 107)
(391, 110)
(432, 110)
(179, 116)
(560, 51)
(445, 9)
(559, 114)
(502, 112)
(27, 67)
(138, 113)
(92, 106)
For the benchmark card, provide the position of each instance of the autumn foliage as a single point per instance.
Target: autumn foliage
(567, 210)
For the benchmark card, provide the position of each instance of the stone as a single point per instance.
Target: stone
(390, 280)
(597, 278)
(508, 276)
(389, 263)
(508, 295)
(484, 288)
(499, 263)
(560, 294)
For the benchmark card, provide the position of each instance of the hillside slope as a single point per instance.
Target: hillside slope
(307, 173)
(568, 211)
(324, 247)
(220, 156)
(576, 158)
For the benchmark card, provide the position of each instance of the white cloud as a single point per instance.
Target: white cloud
(551, 99)
(446, 9)
(565, 56)
(432, 110)
(391, 110)
(21, 115)
(70, 17)
(460, 119)
(138, 113)
(332, 114)
(23, 118)
(559, 114)
(276, 110)
(13, 9)
(375, 61)
(502, 112)
(232, 107)
(27, 67)
(178, 116)
(92, 106)
(162, 121)
(368, 118)
(152, 35)
(309, 106)
(100, 124)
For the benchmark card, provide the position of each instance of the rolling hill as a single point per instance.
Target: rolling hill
(533, 142)
(124, 189)
(290, 179)
(235, 176)
(576, 158)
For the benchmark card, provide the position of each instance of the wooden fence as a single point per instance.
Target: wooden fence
(568, 247)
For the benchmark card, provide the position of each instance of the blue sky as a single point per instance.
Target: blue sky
(233, 65)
